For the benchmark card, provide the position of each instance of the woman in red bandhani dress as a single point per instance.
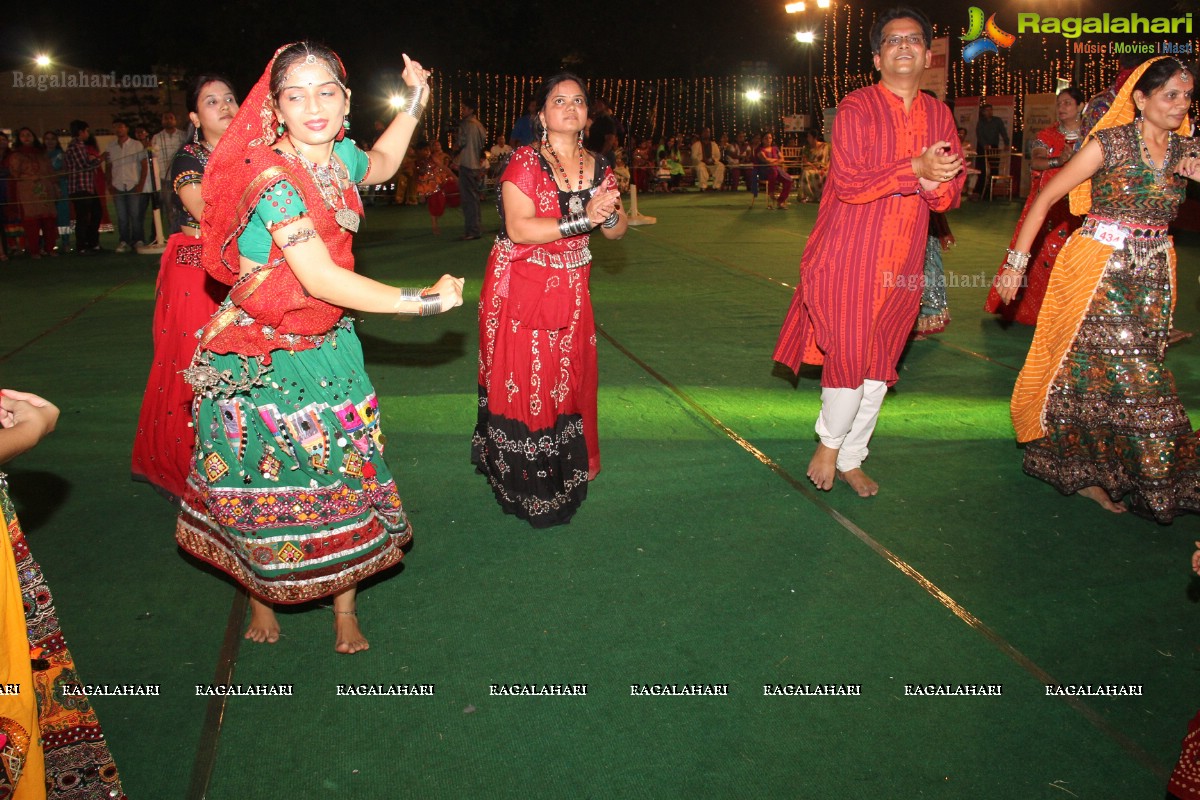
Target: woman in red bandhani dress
(536, 438)
(1052, 149)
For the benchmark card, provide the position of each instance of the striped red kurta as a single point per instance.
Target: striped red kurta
(861, 272)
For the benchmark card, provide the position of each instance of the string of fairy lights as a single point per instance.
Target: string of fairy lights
(659, 107)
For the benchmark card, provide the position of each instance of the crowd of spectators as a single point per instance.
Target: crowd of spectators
(55, 188)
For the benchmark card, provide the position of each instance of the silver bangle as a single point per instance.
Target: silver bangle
(1054, 163)
(431, 304)
(413, 101)
(574, 225)
(612, 220)
(409, 295)
(1017, 261)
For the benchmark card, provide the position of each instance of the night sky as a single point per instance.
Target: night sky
(617, 38)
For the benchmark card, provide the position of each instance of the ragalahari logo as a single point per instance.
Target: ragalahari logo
(993, 37)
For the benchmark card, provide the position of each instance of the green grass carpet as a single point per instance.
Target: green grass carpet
(700, 556)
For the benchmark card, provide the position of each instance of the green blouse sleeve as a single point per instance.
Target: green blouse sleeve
(357, 162)
(278, 206)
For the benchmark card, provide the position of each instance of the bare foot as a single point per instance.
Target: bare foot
(1101, 497)
(263, 625)
(822, 467)
(348, 637)
(859, 482)
(1196, 559)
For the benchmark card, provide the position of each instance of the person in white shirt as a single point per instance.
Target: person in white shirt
(165, 144)
(706, 155)
(126, 169)
(498, 156)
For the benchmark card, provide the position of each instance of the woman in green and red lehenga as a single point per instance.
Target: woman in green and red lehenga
(289, 492)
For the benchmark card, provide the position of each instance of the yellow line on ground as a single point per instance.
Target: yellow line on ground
(1140, 755)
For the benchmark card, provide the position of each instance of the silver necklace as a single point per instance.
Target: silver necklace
(1157, 170)
(329, 181)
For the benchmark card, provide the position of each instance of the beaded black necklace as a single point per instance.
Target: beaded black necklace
(562, 170)
(575, 204)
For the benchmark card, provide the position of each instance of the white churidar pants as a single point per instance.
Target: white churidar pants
(847, 420)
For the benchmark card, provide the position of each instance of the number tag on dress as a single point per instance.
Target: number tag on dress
(1110, 234)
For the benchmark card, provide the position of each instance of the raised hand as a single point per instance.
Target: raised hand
(414, 74)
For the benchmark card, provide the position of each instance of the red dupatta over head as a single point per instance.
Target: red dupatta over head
(244, 165)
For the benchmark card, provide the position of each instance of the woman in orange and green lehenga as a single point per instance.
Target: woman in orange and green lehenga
(1094, 404)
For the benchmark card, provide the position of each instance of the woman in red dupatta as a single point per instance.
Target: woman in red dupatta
(289, 492)
(536, 437)
(1051, 151)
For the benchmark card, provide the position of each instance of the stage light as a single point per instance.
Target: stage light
(805, 37)
(42, 60)
(794, 8)
(824, 3)
(395, 101)
(753, 95)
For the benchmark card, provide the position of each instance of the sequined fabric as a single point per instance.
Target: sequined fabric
(1127, 189)
(935, 311)
(1113, 417)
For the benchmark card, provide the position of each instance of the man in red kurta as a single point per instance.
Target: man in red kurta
(895, 157)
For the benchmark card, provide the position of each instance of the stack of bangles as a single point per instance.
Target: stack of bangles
(431, 302)
(413, 101)
(1017, 261)
(576, 224)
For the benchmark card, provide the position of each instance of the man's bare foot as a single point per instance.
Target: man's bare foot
(348, 636)
(822, 467)
(1101, 497)
(859, 482)
(264, 627)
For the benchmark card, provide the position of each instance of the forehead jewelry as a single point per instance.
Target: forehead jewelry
(309, 60)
